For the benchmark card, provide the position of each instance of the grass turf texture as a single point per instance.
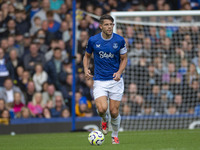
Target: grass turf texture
(133, 140)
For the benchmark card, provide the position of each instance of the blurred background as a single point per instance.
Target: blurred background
(36, 53)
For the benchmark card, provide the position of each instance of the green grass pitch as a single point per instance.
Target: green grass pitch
(132, 140)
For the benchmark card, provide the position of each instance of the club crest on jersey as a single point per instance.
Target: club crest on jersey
(115, 45)
(98, 45)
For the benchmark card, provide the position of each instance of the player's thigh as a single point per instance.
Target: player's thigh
(101, 104)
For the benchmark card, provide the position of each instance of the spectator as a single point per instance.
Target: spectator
(180, 104)
(93, 24)
(46, 113)
(184, 67)
(172, 109)
(84, 26)
(65, 113)
(4, 45)
(166, 90)
(2, 105)
(42, 36)
(22, 25)
(191, 74)
(29, 92)
(191, 96)
(54, 44)
(188, 50)
(11, 42)
(19, 44)
(83, 107)
(39, 77)
(67, 69)
(24, 80)
(136, 105)
(67, 90)
(35, 105)
(45, 86)
(42, 13)
(63, 32)
(56, 111)
(82, 43)
(5, 117)
(132, 91)
(4, 72)
(154, 98)
(87, 88)
(13, 62)
(56, 4)
(34, 8)
(147, 47)
(11, 29)
(53, 26)
(141, 73)
(126, 110)
(7, 93)
(50, 104)
(17, 104)
(153, 76)
(64, 54)
(166, 77)
(2, 20)
(38, 25)
(54, 67)
(162, 106)
(24, 113)
(19, 71)
(123, 5)
(50, 94)
(26, 44)
(30, 60)
(63, 11)
(153, 36)
(148, 109)
(196, 61)
(98, 10)
(130, 35)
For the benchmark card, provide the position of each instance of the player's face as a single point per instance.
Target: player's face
(107, 27)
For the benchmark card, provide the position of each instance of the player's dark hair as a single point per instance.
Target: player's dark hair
(105, 17)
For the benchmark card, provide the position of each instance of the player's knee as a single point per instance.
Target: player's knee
(114, 113)
(101, 110)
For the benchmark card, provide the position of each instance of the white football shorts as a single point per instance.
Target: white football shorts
(110, 88)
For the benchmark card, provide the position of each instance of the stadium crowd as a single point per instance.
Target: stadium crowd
(162, 77)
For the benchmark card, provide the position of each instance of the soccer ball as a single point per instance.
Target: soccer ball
(96, 138)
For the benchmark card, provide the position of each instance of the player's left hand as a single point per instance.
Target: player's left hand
(116, 76)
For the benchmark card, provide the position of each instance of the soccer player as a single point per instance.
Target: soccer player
(110, 59)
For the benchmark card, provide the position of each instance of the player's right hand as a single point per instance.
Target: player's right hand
(88, 74)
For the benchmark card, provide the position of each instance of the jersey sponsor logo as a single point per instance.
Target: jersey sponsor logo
(105, 55)
(98, 45)
(115, 45)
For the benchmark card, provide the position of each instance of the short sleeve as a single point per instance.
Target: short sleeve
(89, 48)
(123, 49)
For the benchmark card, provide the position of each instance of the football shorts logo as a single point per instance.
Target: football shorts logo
(115, 45)
(98, 45)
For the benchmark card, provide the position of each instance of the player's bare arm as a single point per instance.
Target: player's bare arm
(86, 61)
(123, 63)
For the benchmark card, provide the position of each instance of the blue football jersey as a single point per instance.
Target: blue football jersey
(106, 55)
